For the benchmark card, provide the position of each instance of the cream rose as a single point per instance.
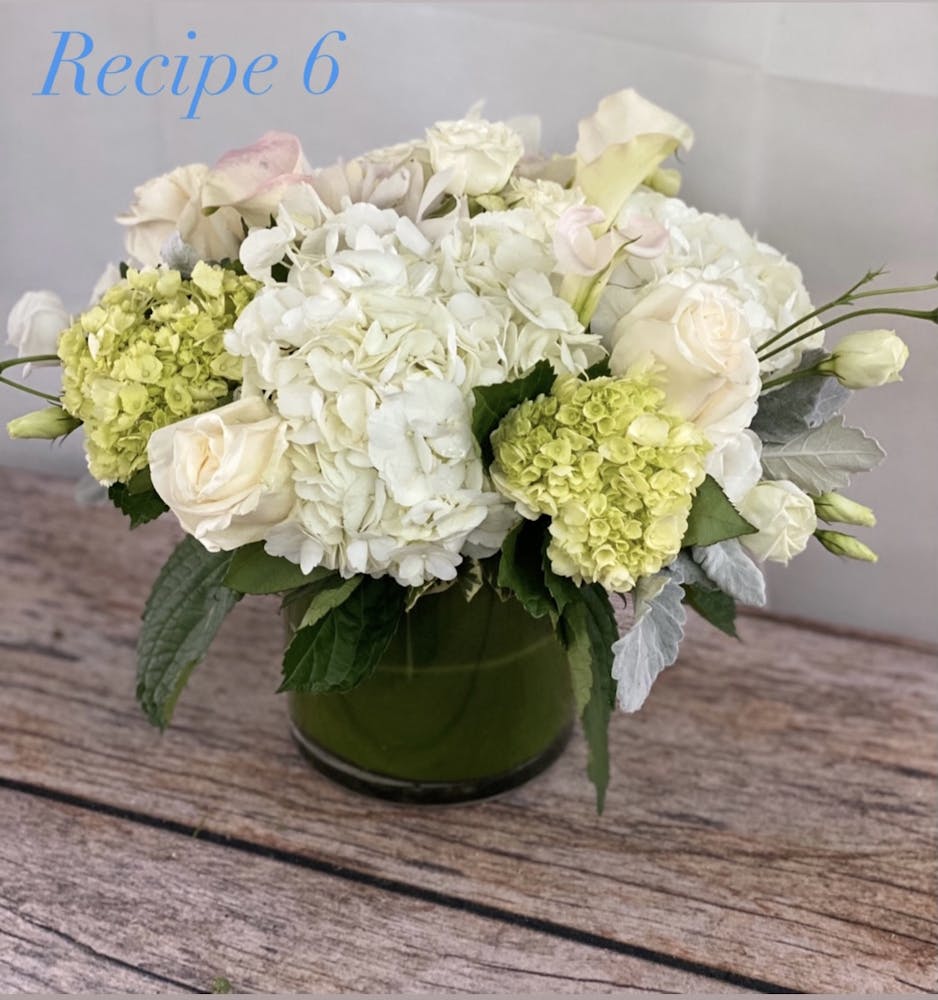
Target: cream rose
(785, 518)
(173, 203)
(224, 474)
(479, 155)
(35, 323)
(700, 340)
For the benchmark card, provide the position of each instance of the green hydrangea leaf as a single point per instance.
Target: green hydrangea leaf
(521, 570)
(588, 630)
(713, 518)
(327, 596)
(714, 606)
(254, 571)
(600, 370)
(185, 609)
(344, 646)
(137, 499)
(492, 402)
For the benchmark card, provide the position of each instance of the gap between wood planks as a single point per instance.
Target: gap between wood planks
(401, 888)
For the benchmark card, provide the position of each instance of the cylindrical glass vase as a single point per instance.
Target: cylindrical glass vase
(470, 699)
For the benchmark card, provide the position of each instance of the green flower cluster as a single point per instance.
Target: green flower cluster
(615, 473)
(149, 353)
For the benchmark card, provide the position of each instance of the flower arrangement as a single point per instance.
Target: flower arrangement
(458, 361)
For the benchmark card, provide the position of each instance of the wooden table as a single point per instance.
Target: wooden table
(770, 826)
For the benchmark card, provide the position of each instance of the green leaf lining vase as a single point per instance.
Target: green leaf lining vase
(470, 699)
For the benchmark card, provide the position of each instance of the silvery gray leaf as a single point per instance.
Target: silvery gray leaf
(728, 566)
(652, 643)
(805, 403)
(178, 255)
(822, 458)
(89, 492)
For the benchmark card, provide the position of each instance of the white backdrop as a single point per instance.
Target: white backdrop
(816, 123)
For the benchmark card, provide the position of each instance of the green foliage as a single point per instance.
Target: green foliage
(344, 646)
(185, 609)
(492, 402)
(600, 370)
(253, 571)
(713, 518)
(327, 596)
(588, 629)
(137, 499)
(712, 604)
(221, 985)
(520, 567)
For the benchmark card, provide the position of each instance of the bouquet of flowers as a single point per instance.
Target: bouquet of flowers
(460, 362)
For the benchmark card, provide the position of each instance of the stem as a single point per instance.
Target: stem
(26, 388)
(32, 359)
(791, 376)
(913, 313)
(848, 297)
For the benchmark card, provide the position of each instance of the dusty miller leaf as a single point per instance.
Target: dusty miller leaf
(800, 405)
(728, 566)
(653, 641)
(823, 458)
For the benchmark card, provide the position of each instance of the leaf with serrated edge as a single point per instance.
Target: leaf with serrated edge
(330, 595)
(254, 571)
(712, 517)
(492, 402)
(520, 567)
(728, 566)
(822, 459)
(588, 630)
(185, 609)
(653, 641)
(344, 646)
(713, 606)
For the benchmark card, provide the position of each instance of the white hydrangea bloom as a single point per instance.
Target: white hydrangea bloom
(370, 352)
(718, 250)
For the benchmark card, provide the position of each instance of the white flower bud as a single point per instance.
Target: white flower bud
(866, 359)
(846, 545)
(834, 508)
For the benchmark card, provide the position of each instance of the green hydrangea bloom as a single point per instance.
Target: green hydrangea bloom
(615, 473)
(149, 353)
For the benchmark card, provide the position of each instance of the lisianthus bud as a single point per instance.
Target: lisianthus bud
(834, 508)
(866, 359)
(845, 545)
(50, 422)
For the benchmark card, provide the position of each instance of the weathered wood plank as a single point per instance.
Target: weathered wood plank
(91, 902)
(772, 809)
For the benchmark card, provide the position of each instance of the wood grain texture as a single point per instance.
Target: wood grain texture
(772, 812)
(97, 903)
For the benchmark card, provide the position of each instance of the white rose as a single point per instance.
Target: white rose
(737, 464)
(710, 373)
(173, 203)
(480, 155)
(34, 324)
(867, 359)
(785, 517)
(224, 474)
